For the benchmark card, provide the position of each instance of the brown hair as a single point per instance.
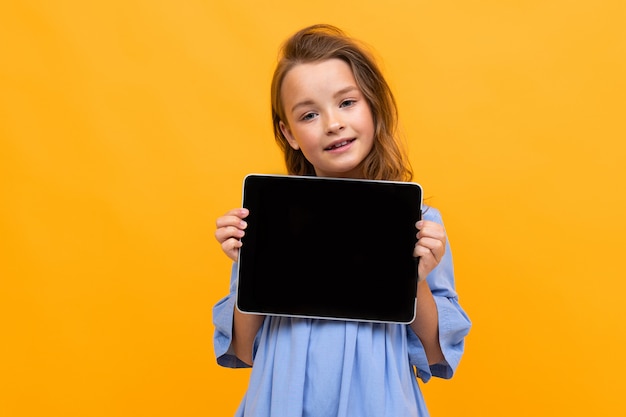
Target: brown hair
(387, 160)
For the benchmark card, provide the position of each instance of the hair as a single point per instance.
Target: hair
(387, 160)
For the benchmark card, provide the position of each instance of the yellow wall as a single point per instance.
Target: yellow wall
(127, 126)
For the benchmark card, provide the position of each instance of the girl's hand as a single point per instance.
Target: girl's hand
(430, 247)
(230, 229)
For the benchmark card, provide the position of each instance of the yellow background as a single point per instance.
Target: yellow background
(126, 127)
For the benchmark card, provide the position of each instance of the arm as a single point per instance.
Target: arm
(451, 322)
(430, 248)
(230, 229)
(426, 324)
(245, 328)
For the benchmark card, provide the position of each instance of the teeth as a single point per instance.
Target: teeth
(339, 145)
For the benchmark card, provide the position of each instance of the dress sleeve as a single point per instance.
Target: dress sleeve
(223, 322)
(454, 324)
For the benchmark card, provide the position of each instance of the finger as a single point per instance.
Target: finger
(423, 271)
(231, 248)
(424, 252)
(224, 233)
(430, 229)
(433, 236)
(426, 264)
(438, 246)
(238, 212)
(430, 246)
(230, 219)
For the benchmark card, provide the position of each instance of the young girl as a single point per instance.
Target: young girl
(335, 116)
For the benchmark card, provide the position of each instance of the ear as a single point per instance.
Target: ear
(287, 133)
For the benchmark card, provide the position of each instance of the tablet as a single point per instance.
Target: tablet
(329, 248)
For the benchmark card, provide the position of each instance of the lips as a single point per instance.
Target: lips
(339, 144)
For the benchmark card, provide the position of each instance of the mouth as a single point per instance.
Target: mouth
(339, 144)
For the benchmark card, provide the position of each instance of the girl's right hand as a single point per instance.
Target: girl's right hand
(230, 229)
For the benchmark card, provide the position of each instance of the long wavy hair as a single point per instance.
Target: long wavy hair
(387, 160)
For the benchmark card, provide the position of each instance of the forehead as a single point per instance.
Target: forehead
(316, 79)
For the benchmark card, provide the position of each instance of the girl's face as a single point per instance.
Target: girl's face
(328, 118)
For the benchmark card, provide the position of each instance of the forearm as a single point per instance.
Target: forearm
(426, 323)
(245, 328)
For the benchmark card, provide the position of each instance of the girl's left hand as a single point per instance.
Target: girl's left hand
(430, 247)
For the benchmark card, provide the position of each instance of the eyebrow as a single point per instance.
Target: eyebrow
(345, 90)
(337, 94)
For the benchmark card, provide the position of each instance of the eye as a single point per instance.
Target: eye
(308, 116)
(347, 103)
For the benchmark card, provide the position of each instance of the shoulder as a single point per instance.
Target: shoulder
(431, 214)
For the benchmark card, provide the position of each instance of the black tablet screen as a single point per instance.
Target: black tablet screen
(329, 248)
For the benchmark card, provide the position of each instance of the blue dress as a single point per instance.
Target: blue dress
(317, 368)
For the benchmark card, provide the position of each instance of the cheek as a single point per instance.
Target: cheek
(367, 119)
(304, 136)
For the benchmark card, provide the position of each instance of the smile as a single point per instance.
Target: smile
(339, 145)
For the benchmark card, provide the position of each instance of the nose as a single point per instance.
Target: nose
(334, 123)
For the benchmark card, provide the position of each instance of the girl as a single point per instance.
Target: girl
(334, 115)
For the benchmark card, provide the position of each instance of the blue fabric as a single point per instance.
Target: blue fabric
(317, 368)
